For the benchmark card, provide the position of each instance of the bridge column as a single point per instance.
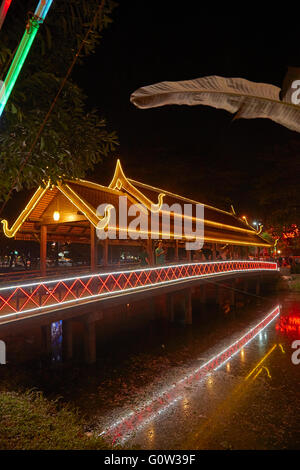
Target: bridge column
(257, 287)
(105, 252)
(89, 340)
(94, 246)
(43, 250)
(46, 339)
(67, 339)
(188, 314)
(203, 293)
(188, 255)
(219, 295)
(89, 335)
(150, 251)
(176, 257)
(232, 294)
(170, 306)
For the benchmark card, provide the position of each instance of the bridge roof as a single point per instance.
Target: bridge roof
(77, 201)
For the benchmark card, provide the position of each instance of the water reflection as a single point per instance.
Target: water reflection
(121, 430)
(56, 341)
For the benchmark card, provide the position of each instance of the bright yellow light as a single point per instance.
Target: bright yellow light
(242, 355)
(261, 361)
(185, 404)
(228, 366)
(210, 381)
(56, 216)
(279, 251)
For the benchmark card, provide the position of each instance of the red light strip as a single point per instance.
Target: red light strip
(135, 420)
(34, 297)
(3, 11)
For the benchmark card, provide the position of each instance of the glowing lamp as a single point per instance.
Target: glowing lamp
(56, 216)
(279, 251)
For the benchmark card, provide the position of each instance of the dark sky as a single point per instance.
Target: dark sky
(188, 149)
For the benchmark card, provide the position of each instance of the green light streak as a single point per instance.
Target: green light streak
(17, 63)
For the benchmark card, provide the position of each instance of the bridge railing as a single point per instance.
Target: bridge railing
(37, 296)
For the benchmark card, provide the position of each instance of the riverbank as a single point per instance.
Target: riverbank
(28, 421)
(289, 282)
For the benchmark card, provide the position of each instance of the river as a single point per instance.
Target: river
(156, 387)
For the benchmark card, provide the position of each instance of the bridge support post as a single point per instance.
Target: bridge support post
(170, 307)
(46, 339)
(188, 314)
(43, 250)
(67, 339)
(257, 287)
(94, 246)
(203, 293)
(176, 257)
(219, 295)
(214, 251)
(90, 336)
(232, 294)
(150, 251)
(105, 252)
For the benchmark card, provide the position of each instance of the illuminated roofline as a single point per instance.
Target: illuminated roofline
(99, 187)
(120, 181)
(250, 229)
(10, 232)
(177, 196)
(190, 237)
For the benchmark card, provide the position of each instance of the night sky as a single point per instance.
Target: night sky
(186, 149)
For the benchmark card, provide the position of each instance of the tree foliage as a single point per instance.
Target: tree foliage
(75, 138)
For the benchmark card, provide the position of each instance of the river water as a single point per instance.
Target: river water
(156, 387)
(252, 401)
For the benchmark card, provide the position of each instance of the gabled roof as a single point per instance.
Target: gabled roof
(219, 225)
(81, 199)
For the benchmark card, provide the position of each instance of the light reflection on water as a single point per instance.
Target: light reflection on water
(136, 420)
(264, 362)
(56, 341)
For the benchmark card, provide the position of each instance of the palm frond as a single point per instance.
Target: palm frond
(247, 99)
